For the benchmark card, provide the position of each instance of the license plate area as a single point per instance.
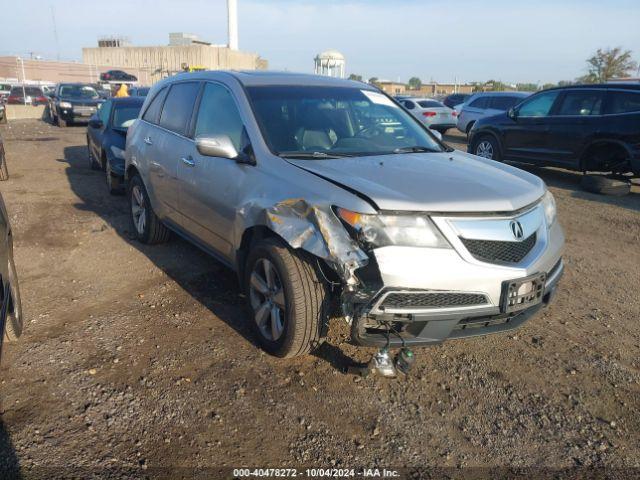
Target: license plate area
(523, 292)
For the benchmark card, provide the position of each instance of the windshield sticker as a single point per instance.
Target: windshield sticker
(378, 98)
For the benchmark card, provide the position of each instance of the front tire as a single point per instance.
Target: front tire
(145, 224)
(4, 171)
(288, 300)
(12, 307)
(487, 147)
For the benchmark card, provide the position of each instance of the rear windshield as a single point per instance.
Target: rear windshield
(30, 91)
(430, 104)
(123, 116)
(78, 91)
(504, 103)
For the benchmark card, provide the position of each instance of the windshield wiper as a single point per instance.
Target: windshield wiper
(315, 155)
(416, 149)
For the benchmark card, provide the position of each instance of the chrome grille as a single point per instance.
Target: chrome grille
(497, 251)
(425, 300)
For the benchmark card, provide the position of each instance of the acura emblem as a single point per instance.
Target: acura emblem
(516, 229)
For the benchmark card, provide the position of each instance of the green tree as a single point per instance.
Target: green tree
(373, 80)
(357, 78)
(607, 64)
(415, 83)
(526, 87)
(548, 85)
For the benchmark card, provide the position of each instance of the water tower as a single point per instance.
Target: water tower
(330, 63)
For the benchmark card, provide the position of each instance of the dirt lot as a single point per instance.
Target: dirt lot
(137, 359)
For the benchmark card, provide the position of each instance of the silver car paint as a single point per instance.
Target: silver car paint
(294, 198)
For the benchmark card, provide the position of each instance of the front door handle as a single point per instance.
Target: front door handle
(188, 161)
(148, 141)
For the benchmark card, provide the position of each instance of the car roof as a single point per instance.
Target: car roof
(253, 78)
(502, 94)
(612, 85)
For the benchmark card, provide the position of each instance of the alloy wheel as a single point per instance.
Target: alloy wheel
(266, 295)
(138, 209)
(484, 149)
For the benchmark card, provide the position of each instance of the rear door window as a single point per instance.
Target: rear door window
(538, 105)
(623, 102)
(504, 103)
(409, 104)
(178, 107)
(581, 103)
(153, 110)
(481, 103)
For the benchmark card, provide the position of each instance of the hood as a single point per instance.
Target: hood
(434, 182)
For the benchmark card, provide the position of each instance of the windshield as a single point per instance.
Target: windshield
(123, 117)
(335, 121)
(29, 91)
(78, 91)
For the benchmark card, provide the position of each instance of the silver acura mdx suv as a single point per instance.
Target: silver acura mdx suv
(330, 200)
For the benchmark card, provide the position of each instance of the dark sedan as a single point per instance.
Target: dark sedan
(74, 102)
(117, 76)
(10, 307)
(107, 135)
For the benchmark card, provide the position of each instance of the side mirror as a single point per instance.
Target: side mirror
(216, 146)
(95, 122)
(512, 113)
(437, 134)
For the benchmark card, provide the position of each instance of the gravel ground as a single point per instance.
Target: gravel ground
(137, 360)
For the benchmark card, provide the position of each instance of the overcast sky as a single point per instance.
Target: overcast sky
(512, 41)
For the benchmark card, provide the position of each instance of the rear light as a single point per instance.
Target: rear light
(429, 114)
(454, 114)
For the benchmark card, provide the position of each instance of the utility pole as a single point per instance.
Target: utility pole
(24, 94)
(55, 32)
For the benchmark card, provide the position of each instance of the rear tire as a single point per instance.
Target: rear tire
(603, 185)
(296, 300)
(92, 160)
(13, 314)
(114, 182)
(146, 225)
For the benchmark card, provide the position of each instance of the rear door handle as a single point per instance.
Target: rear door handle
(148, 141)
(188, 161)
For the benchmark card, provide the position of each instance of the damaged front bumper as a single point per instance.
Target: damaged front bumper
(426, 296)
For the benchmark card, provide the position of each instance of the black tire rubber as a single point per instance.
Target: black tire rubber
(604, 185)
(469, 127)
(306, 298)
(155, 231)
(114, 183)
(4, 170)
(92, 160)
(497, 155)
(14, 324)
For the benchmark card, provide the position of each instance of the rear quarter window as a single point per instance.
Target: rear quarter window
(152, 113)
(624, 102)
(481, 103)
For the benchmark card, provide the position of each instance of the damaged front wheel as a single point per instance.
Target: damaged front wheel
(288, 300)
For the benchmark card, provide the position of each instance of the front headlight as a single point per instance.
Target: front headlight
(549, 205)
(65, 105)
(401, 230)
(117, 152)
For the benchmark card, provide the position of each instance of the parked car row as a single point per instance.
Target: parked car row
(587, 128)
